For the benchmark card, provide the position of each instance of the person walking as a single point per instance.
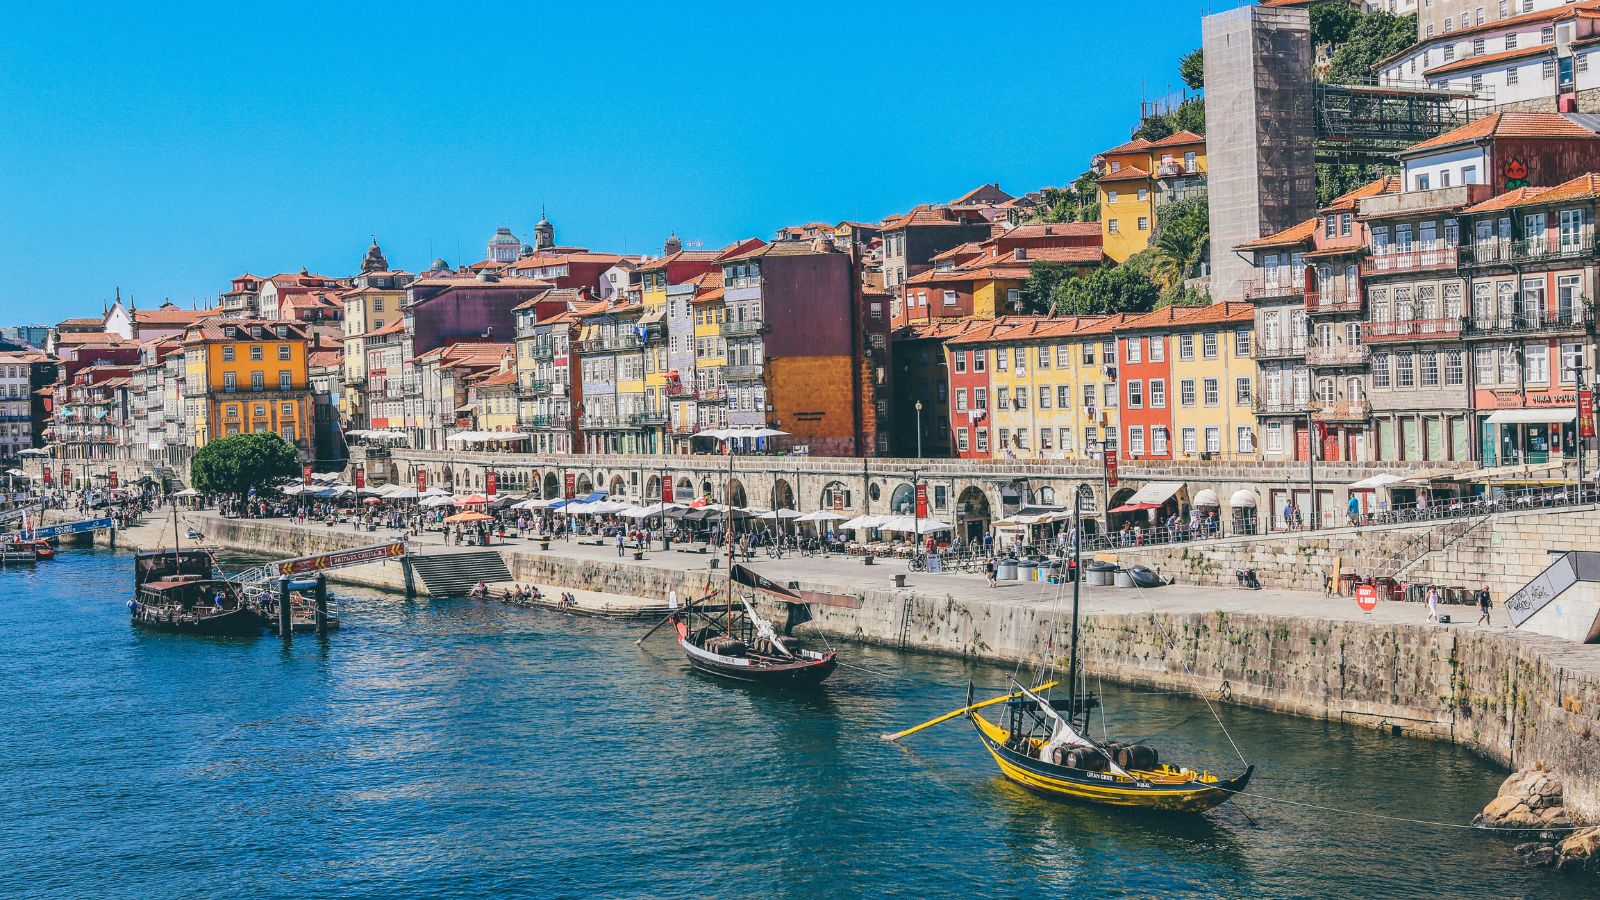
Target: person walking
(1433, 603)
(620, 550)
(989, 571)
(1483, 605)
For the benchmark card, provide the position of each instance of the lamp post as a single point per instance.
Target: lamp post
(919, 429)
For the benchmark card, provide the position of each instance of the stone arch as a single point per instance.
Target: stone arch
(617, 487)
(684, 492)
(707, 488)
(1115, 520)
(835, 490)
(585, 484)
(782, 495)
(904, 499)
(1086, 498)
(1086, 509)
(652, 488)
(736, 493)
(1045, 496)
(552, 485)
(973, 514)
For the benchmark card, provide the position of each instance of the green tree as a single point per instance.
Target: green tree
(1180, 242)
(234, 465)
(1375, 36)
(1075, 203)
(1103, 291)
(1192, 69)
(1039, 291)
(1332, 23)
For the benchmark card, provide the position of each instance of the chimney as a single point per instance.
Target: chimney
(1049, 229)
(1019, 254)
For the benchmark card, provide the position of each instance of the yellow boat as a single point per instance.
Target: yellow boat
(1030, 761)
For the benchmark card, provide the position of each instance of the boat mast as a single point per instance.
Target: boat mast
(1077, 582)
(727, 494)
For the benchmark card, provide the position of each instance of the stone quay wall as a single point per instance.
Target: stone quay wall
(1523, 700)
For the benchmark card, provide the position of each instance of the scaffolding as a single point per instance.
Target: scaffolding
(1366, 124)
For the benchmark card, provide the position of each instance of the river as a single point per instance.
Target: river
(461, 749)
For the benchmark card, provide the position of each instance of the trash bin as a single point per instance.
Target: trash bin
(1027, 571)
(1123, 578)
(1006, 570)
(1098, 573)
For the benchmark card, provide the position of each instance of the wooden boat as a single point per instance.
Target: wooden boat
(42, 548)
(182, 592)
(1048, 751)
(18, 554)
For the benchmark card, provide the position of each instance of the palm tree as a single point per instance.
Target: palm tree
(1180, 244)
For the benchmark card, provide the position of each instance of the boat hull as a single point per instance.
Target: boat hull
(802, 673)
(241, 622)
(1067, 784)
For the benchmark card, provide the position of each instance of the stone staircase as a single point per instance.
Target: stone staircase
(453, 574)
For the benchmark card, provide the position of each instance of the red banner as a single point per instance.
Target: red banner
(490, 482)
(838, 501)
(47, 481)
(1111, 466)
(111, 479)
(422, 480)
(666, 490)
(571, 485)
(66, 477)
(1586, 414)
(305, 475)
(361, 476)
(922, 501)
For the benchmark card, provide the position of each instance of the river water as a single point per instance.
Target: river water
(459, 749)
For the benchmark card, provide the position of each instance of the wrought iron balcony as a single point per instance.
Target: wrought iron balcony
(550, 422)
(1265, 407)
(1268, 287)
(1576, 318)
(1340, 410)
(654, 417)
(1411, 330)
(1327, 302)
(543, 351)
(1278, 350)
(743, 373)
(743, 329)
(611, 344)
(1401, 262)
(533, 388)
(1337, 355)
(1506, 252)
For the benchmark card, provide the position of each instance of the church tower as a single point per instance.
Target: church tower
(374, 261)
(673, 245)
(544, 234)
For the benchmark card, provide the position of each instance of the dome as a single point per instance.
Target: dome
(439, 265)
(673, 245)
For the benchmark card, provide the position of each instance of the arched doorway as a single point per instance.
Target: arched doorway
(552, 485)
(736, 496)
(835, 496)
(684, 491)
(903, 501)
(652, 488)
(782, 495)
(585, 485)
(973, 514)
(706, 489)
(618, 487)
(1114, 520)
(1086, 498)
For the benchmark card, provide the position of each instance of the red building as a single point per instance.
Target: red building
(1144, 371)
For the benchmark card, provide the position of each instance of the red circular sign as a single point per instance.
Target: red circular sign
(1367, 597)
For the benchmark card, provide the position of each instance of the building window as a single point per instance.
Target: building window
(1158, 440)
(1213, 439)
(1428, 368)
(1002, 398)
(1548, 70)
(1005, 438)
(1158, 394)
(1133, 349)
(1136, 395)
(1045, 436)
(1186, 394)
(960, 361)
(1274, 437)
(1158, 347)
(1044, 356)
(1547, 34)
(227, 354)
(1064, 396)
(949, 298)
(1112, 227)
(1511, 79)
(961, 439)
(980, 360)
(1002, 359)
(1213, 392)
(1191, 440)
(983, 440)
(1208, 345)
(1483, 364)
(284, 381)
(1144, 223)
(230, 382)
(1404, 374)
(1144, 194)
(1537, 357)
(1136, 440)
(1186, 346)
(1454, 369)
(980, 398)
(961, 399)
(1111, 196)
(256, 352)
(1245, 439)
(1044, 397)
(1088, 353)
(283, 351)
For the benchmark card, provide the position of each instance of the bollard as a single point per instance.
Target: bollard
(411, 584)
(322, 604)
(285, 610)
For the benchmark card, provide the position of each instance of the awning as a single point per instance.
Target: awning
(1157, 493)
(1207, 497)
(1532, 416)
(652, 316)
(1243, 500)
(1382, 479)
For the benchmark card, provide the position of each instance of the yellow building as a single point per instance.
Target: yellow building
(1213, 383)
(1140, 177)
(372, 303)
(248, 375)
(493, 396)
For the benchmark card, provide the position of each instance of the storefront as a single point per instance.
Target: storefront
(1530, 436)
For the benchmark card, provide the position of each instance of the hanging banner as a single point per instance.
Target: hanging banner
(490, 482)
(1586, 414)
(838, 501)
(66, 477)
(422, 480)
(1110, 455)
(305, 475)
(361, 476)
(47, 481)
(571, 485)
(922, 501)
(111, 479)
(666, 490)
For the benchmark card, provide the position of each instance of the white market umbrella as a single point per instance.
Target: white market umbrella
(912, 524)
(821, 515)
(861, 522)
(405, 493)
(187, 492)
(1382, 479)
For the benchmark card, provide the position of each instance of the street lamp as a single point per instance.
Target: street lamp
(919, 429)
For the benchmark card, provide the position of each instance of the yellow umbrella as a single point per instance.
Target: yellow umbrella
(470, 517)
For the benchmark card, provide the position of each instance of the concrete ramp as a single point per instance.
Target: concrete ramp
(1563, 601)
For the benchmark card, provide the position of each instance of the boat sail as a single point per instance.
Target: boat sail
(1047, 749)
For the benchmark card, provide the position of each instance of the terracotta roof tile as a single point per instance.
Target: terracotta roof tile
(1133, 146)
(1509, 125)
(1289, 237)
(1126, 173)
(1584, 187)
(1180, 139)
(1489, 59)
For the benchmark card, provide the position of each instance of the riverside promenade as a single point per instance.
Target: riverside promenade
(1522, 699)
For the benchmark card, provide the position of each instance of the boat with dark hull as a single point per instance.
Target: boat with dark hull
(181, 592)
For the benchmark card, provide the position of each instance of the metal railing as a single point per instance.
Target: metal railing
(1337, 355)
(1340, 410)
(743, 329)
(1333, 302)
(1266, 288)
(742, 373)
(1264, 407)
(1576, 318)
(1411, 330)
(1278, 350)
(1502, 252)
(1409, 261)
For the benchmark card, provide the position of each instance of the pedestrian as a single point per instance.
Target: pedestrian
(1433, 603)
(1353, 510)
(620, 550)
(989, 571)
(1483, 605)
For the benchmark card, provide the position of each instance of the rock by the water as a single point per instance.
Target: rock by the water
(1580, 850)
(1534, 853)
(1529, 799)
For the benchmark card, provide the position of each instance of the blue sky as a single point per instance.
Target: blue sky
(166, 147)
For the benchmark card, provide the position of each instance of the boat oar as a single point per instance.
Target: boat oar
(963, 711)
